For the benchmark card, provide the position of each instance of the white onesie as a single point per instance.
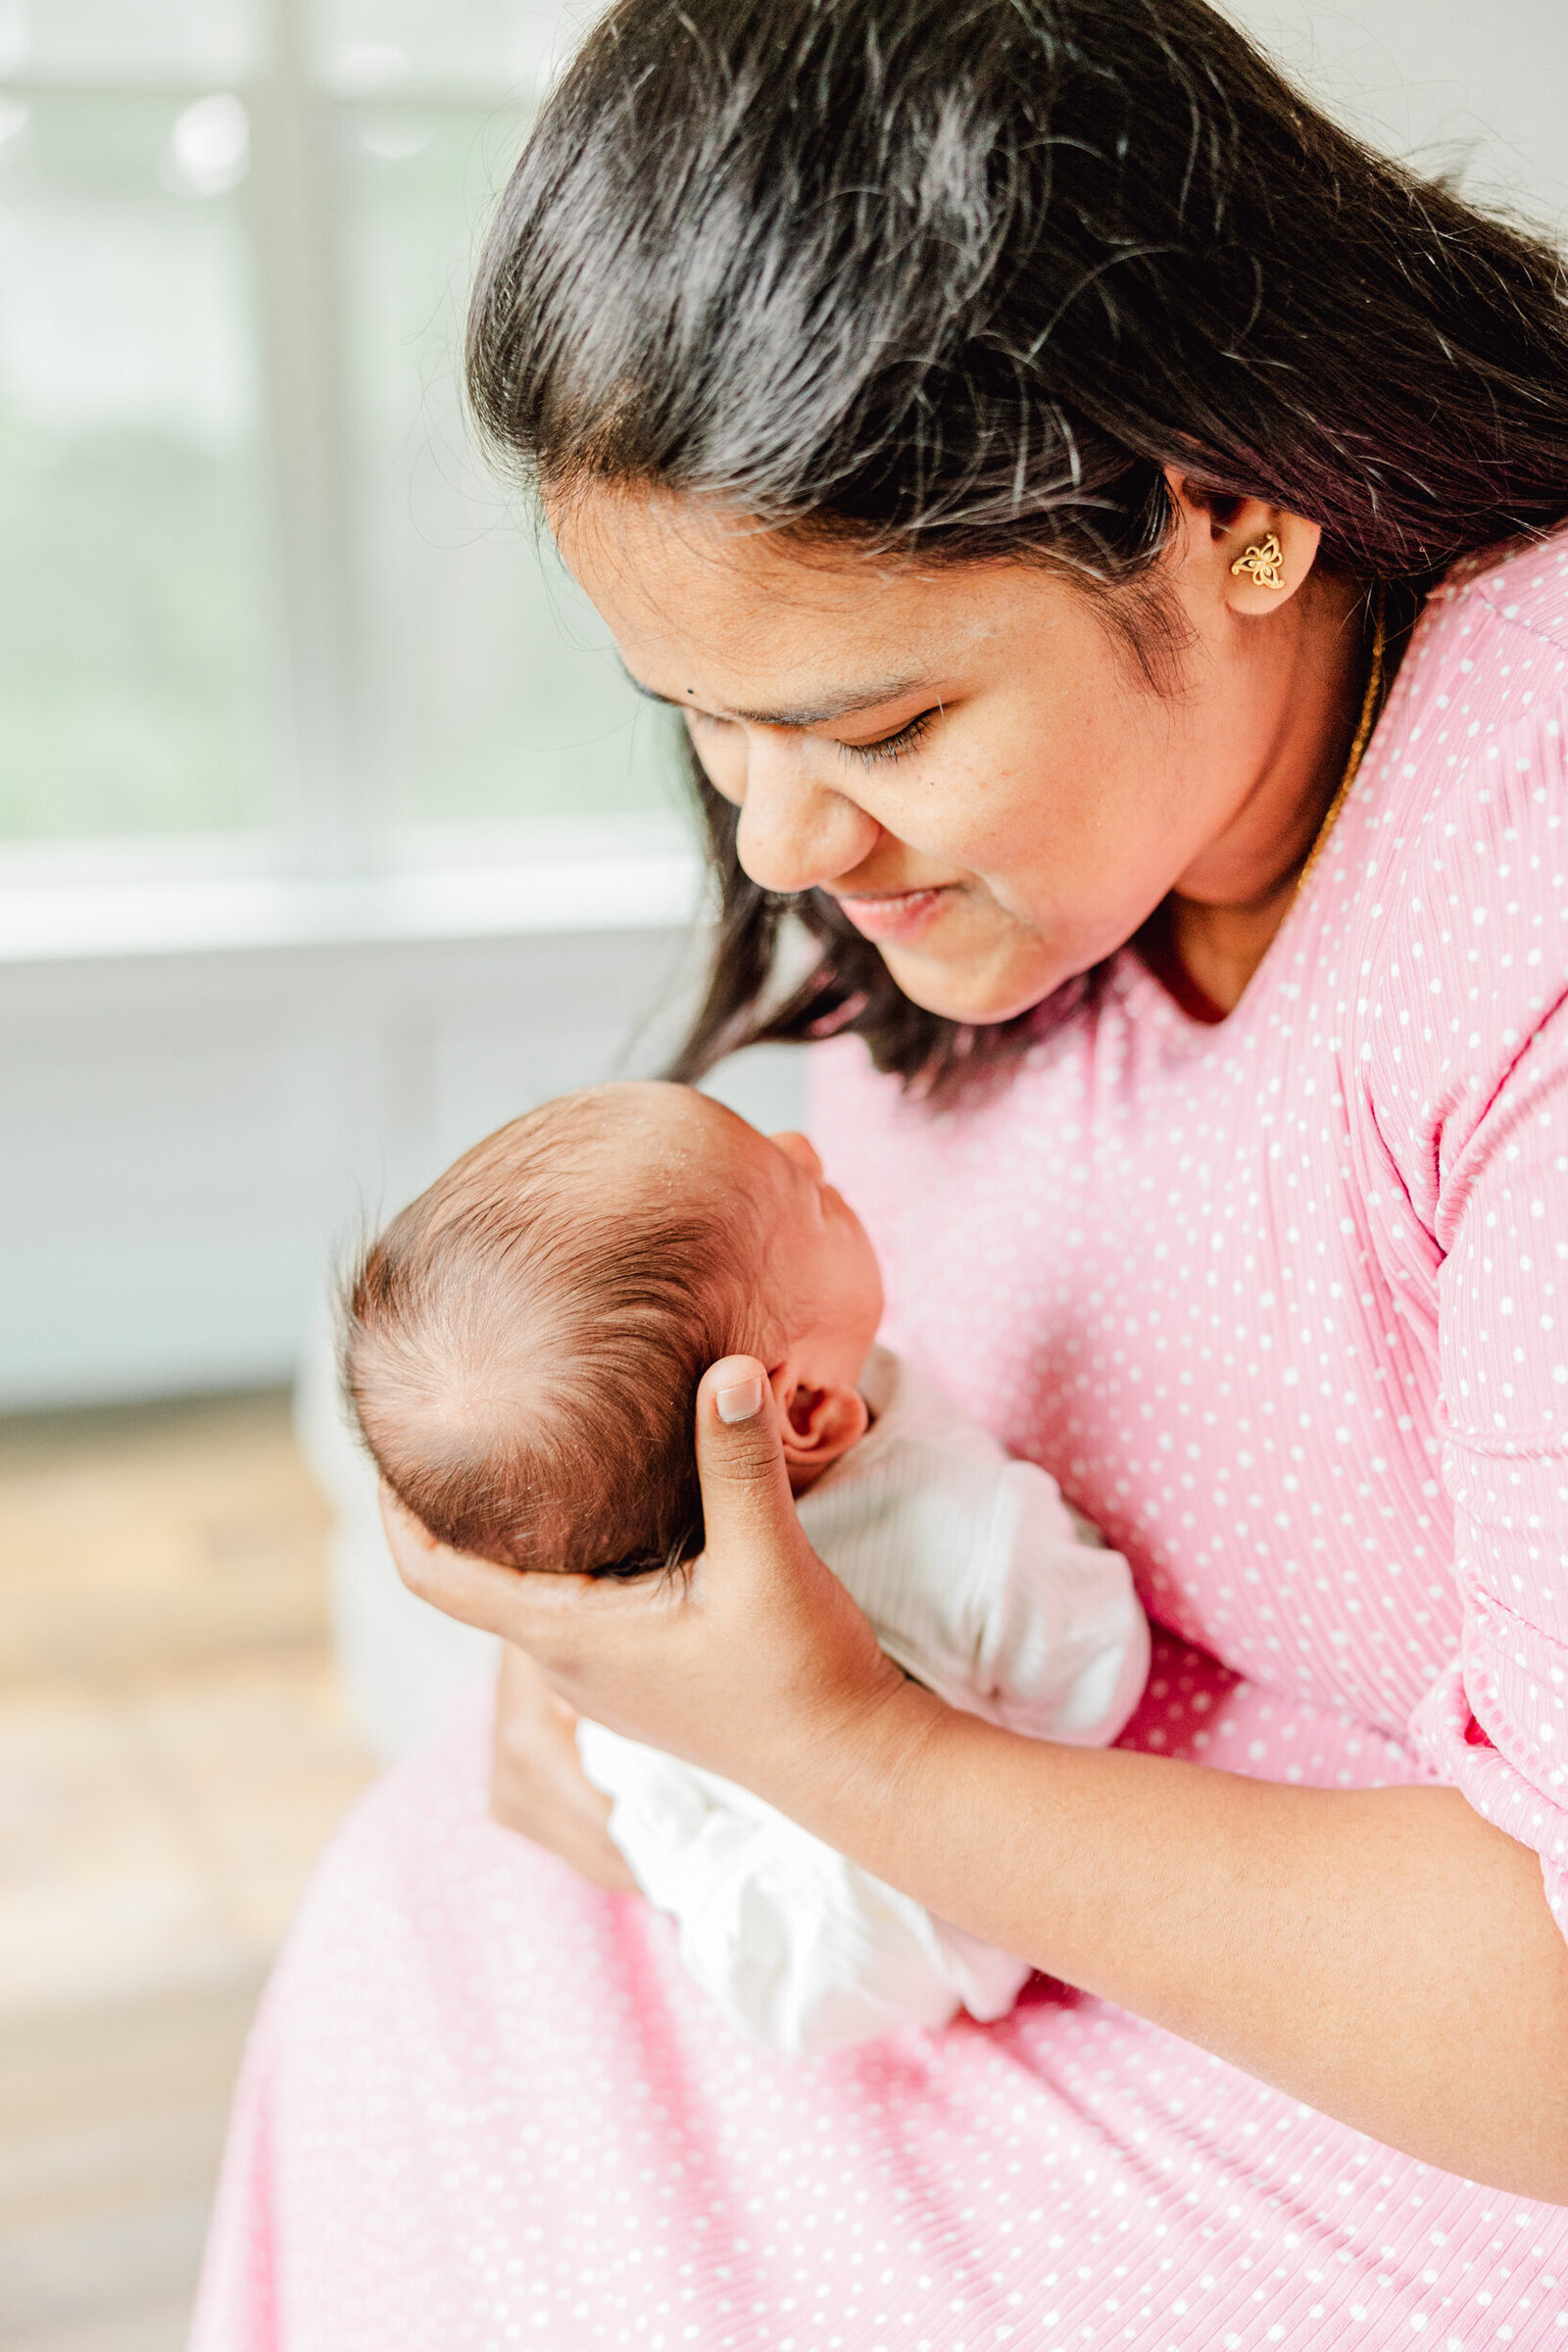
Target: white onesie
(983, 1585)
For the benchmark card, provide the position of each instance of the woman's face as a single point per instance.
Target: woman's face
(964, 758)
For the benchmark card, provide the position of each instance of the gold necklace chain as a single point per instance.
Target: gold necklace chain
(1363, 734)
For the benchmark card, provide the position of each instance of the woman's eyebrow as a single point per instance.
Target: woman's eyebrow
(854, 699)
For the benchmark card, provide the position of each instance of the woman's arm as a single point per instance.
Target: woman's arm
(1383, 1955)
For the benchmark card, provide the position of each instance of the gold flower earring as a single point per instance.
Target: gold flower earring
(1264, 562)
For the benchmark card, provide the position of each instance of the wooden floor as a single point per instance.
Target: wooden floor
(173, 1750)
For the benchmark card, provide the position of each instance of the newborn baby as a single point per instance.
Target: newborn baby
(522, 1348)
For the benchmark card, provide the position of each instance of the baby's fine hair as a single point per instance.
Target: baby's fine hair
(521, 1346)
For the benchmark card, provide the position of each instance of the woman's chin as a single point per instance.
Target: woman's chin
(981, 993)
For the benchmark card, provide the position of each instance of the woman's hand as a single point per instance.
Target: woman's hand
(754, 1663)
(539, 1786)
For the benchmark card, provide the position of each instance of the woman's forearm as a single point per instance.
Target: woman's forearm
(1385, 1956)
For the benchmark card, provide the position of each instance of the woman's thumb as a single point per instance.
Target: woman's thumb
(746, 1487)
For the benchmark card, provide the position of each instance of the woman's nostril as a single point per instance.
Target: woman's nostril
(787, 852)
(794, 821)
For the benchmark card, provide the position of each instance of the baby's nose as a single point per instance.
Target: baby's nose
(799, 1147)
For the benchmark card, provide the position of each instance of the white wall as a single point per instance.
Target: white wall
(188, 1139)
(1476, 82)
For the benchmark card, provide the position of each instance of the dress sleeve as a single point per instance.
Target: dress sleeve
(1495, 1724)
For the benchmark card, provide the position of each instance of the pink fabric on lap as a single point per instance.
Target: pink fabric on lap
(483, 2107)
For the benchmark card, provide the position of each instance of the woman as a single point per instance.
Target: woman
(1035, 451)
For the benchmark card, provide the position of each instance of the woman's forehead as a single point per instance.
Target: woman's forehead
(778, 633)
(665, 561)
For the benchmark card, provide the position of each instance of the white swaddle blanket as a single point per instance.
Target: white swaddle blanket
(983, 1585)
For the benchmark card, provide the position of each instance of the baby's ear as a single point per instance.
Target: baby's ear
(818, 1424)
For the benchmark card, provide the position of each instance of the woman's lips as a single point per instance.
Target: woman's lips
(896, 915)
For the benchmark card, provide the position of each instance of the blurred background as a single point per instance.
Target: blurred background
(329, 837)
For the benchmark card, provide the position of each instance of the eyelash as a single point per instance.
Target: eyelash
(892, 747)
(870, 755)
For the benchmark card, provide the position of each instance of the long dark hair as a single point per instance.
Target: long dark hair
(960, 277)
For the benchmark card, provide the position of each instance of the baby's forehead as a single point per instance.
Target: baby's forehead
(716, 1127)
(655, 1132)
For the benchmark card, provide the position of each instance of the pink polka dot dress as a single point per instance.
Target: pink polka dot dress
(1284, 1303)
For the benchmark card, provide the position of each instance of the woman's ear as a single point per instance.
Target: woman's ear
(818, 1425)
(1256, 556)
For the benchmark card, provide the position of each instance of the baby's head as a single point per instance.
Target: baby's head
(522, 1347)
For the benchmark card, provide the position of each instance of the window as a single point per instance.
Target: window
(261, 600)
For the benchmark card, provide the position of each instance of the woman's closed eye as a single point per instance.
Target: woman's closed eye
(893, 747)
(886, 747)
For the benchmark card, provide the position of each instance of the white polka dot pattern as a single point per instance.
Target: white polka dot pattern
(1281, 1303)
(485, 2108)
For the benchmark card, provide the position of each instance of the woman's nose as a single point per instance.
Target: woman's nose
(795, 831)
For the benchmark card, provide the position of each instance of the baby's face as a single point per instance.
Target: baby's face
(822, 1272)
(821, 1285)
